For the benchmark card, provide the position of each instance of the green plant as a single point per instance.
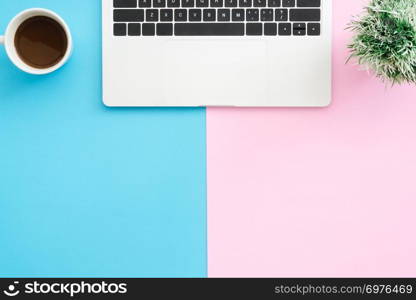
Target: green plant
(385, 40)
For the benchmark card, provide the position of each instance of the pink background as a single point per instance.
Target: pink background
(316, 192)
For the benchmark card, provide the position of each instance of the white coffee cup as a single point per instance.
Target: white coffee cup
(9, 40)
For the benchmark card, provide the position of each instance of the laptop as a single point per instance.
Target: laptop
(245, 53)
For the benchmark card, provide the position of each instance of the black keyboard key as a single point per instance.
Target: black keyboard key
(216, 3)
(259, 3)
(152, 15)
(148, 29)
(125, 3)
(128, 15)
(164, 29)
(181, 15)
(299, 29)
(159, 3)
(120, 29)
(209, 29)
(245, 3)
(309, 3)
(273, 3)
(252, 15)
(288, 3)
(266, 14)
(314, 29)
(254, 29)
(166, 15)
(188, 3)
(209, 15)
(238, 15)
(270, 29)
(202, 3)
(305, 15)
(145, 3)
(281, 15)
(174, 3)
(285, 29)
(224, 15)
(230, 3)
(134, 29)
(194, 15)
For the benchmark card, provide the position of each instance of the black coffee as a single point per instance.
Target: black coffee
(41, 42)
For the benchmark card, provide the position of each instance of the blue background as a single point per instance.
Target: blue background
(91, 191)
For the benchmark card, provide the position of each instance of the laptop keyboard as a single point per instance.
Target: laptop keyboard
(217, 17)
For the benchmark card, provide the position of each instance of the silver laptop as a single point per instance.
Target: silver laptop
(217, 53)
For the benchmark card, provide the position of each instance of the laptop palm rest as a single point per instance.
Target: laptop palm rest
(211, 71)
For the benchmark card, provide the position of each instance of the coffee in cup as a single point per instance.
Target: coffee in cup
(38, 41)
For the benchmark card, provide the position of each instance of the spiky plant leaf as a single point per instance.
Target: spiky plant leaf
(385, 40)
